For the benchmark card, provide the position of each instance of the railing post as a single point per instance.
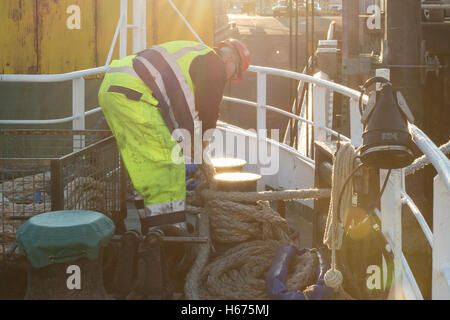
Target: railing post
(140, 25)
(310, 117)
(356, 127)
(78, 109)
(320, 104)
(123, 28)
(261, 129)
(441, 228)
(391, 223)
(330, 111)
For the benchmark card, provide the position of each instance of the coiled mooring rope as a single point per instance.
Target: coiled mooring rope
(246, 220)
(191, 287)
(233, 222)
(246, 216)
(240, 273)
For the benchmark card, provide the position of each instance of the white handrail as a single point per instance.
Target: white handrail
(52, 77)
(36, 122)
(288, 114)
(277, 72)
(51, 121)
(283, 146)
(346, 91)
(405, 266)
(88, 113)
(406, 199)
(411, 279)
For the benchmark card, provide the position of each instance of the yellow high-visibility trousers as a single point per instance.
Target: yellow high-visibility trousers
(145, 143)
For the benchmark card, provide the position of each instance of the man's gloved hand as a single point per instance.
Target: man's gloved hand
(191, 169)
(191, 184)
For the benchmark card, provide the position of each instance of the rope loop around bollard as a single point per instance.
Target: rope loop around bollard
(276, 277)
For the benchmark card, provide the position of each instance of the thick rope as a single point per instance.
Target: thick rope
(423, 161)
(191, 287)
(334, 229)
(246, 216)
(245, 219)
(240, 273)
(233, 222)
(252, 197)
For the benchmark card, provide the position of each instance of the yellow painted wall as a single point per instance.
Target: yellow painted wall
(34, 37)
(17, 36)
(61, 49)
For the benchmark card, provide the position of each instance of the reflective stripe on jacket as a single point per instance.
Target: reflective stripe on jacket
(165, 70)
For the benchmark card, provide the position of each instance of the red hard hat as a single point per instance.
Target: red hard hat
(244, 55)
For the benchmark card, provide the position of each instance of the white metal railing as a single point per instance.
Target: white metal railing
(35, 78)
(406, 200)
(441, 217)
(287, 114)
(415, 292)
(395, 195)
(346, 91)
(391, 204)
(353, 95)
(139, 40)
